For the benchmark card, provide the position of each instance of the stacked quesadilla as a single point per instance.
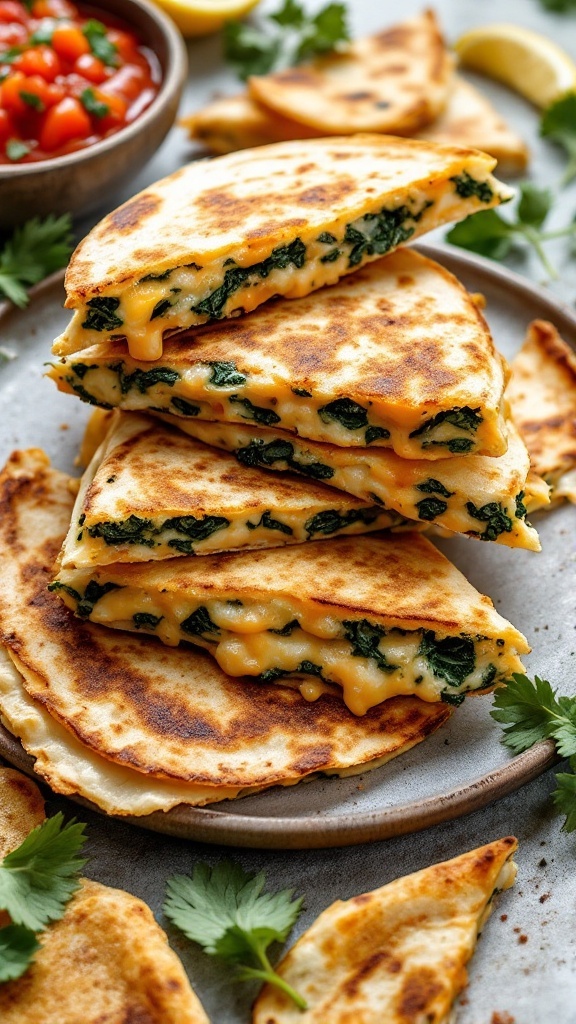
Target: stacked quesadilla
(400, 81)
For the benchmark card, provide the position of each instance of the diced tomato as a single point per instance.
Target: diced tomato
(117, 108)
(10, 11)
(39, 60)
(125, 44)
(128, 82)
(48, 93)
(6, 128)
(10, 94)
(70, 43)
(91, 68)
(63, 123)
(54, 9)
(12, 34)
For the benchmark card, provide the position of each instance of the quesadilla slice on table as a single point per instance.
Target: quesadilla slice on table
(468, 119)
(542, 394)
(106, 959)
(397, 954)
(378, 616)
(219, 238)
(397, 356)
(135, 726)
(396, 82)
(487, 498)
(151, 492)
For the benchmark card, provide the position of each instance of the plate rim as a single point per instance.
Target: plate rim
(224, 827)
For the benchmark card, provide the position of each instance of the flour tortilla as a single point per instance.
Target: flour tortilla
(135, 726)
(542, 393)
(396, 82)
(396, 954)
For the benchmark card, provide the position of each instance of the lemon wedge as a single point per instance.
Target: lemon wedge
(528, 62)
(200, 17)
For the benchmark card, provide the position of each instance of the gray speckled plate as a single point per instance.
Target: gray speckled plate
(463, 766)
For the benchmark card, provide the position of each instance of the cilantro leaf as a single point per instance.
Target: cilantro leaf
(101, 46)
(491, 234)
(92, 104)
(35, 250)
(561, 6)
(558, 123)
(39, 877)
(287, 37)
(564, 796)
(225, 910)
(17, 948)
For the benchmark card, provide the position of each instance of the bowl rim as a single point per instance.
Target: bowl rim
(170, 86)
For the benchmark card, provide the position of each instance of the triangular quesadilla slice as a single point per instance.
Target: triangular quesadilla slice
(397, 954)
(105, 959)
(396, 82)
(468, 119)
(137, 727)
(218, 238)
(477, 495)
(397, 355)
(377, 615)
(542, 393)
(151, 492)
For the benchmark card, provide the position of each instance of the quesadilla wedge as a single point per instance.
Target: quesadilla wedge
(396, 954)
(135, 726)
(219, 238)
(396, 356)
(151, 492)
(21, 810)
(542, 393)
(396, 82)
(480, 496)
(377, 616)
(468, 119)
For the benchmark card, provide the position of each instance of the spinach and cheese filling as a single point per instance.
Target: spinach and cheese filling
(397, 356)
(377, 616)
(480, 496)
(151, 492)
(210, 242)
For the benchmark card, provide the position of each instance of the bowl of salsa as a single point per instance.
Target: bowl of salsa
(87, 94)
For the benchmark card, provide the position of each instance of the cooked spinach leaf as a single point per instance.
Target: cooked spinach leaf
(102, 315)
(196, 529)
(331, 256)
(432, 486)
(430, 508)
(345, 411)
(365, 636)
(85, 395)
(330, 520)
(467, 186)
(156, 277)
(301, 392)
(142, 380)
(488, 676)
(455, 699)
(81, 369)
(133, 530)
(184, 407)
(521, 509)
(234, 278)
(377, 233)
(494, 515)
(56, 585)
(144, 620)
(374, 433)
(453, 658)
(256, 412)
(270, 524)
(199, 622)
(85, 603)
(160, 308)
(326, 238)
(257, 453)
(226, 375)
(286, 630)
(456, 445)
(270, 675)
(464, 418)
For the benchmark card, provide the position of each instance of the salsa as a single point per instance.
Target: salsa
(69, 77)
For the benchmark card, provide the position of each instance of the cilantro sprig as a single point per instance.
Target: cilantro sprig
(285, 38)
(35, 250)
(36, 881)
(491, 234)
(530, 712)
(224, 910)
(558, 123)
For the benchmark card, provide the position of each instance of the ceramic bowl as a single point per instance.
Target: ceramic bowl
(88, 179)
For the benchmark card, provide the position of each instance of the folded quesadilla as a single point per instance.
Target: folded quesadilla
(468, 119)
(480, 496)
(218, 238)
(397, 954)
(106, 959)
(137, 727)
(151, 492)
(378, 616)
(396, 356)
(542, 394)
(396, 82)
